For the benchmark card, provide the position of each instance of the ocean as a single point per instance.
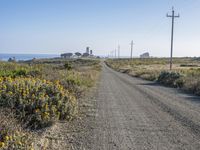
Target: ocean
(18, 57)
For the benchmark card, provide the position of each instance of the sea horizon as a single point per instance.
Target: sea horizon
(6, 56)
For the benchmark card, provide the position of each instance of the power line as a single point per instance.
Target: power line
(173, 16)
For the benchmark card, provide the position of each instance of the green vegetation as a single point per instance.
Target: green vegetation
(185, 73)
(38, 93)
(172, 79)
(67, 66)
(12, 136)
(36, 102)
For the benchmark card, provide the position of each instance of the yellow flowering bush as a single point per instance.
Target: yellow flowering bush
(15, 140)
(33, 95)
(12, 135)
(37, 102)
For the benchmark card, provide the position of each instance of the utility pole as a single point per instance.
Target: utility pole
(118, 51)
(132, 49)
(115, 53)
(173, 16)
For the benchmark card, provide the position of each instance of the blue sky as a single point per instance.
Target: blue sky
(56, 26)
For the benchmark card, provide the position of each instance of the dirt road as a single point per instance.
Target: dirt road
(128, 113)
(137, 114)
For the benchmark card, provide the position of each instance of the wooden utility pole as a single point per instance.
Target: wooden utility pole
(118, 51)
(110, 55)
(132, 49)
(172, 34)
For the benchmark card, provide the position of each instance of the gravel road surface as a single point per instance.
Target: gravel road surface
(136, 114)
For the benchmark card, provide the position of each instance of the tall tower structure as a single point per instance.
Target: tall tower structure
(91, 52)
(88, 50)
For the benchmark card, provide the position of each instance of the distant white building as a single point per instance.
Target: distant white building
(85, 55)
(145, 55)
(66, 55)
(88, 53)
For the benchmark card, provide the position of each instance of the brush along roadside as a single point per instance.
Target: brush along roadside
(185, 74)
(38, 96)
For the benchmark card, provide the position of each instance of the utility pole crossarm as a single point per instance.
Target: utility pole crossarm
(172, 16)
(168, 15)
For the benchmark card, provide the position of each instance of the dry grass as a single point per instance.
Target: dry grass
(77, 77)
(153, 68)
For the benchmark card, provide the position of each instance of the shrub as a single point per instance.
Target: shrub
(21, 72)
(198, 88)
(68, 66)
(169, 78)
(192, 85)
(14, 140)
(179, 83)
(37, 102)
(12, 136)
